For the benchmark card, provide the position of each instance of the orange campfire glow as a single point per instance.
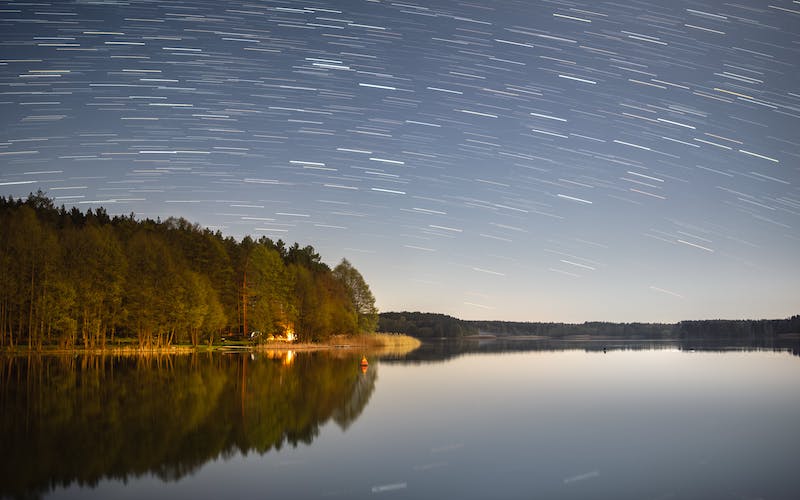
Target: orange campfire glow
(288, 332)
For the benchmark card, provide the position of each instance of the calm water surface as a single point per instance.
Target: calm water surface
(644, 424)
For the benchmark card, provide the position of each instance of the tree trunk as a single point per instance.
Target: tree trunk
(244, 304)
(21, 321)
(30, 308)
(84, 328)
(3, 315)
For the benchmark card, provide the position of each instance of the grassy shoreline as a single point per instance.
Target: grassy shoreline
(373, 343)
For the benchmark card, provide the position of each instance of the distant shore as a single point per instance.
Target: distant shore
(373, 343)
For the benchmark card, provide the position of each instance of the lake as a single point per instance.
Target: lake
(452, 420)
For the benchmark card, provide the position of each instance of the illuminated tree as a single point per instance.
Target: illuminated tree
(360, 295)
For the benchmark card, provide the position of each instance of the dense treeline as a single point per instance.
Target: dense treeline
(425, 325)
(72, 278)
(740, 329)
(428, 325)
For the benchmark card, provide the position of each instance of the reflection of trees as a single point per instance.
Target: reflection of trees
(347, 413)
(82, 419)
(442, 350)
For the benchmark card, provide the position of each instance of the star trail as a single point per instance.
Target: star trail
(517, 160)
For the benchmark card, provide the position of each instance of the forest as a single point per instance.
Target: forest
(425, 325)
(74, 279)
(429, 325)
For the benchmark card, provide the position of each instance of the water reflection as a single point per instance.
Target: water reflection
(80, 419)
(433, 351)
(562, 420)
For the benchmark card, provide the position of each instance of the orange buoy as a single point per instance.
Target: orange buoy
(364, 361)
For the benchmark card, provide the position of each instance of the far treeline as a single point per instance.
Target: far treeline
(70, 278)
(430, 325)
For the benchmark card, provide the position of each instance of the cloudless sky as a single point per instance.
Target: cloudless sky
(516, 160)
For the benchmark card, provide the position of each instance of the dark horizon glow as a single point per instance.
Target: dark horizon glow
(510, 160)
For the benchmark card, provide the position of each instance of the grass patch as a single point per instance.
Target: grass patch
(371, 343)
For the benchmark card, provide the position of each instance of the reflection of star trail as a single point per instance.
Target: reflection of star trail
(437, 137)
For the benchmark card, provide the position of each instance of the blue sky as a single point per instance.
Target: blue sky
(539, 161)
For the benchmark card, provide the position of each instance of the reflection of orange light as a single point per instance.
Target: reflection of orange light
(289, 359)
(364, 368)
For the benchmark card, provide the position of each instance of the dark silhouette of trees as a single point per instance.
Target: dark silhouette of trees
(425, 325)
(70, 278)
(740, 329)
(428, 325)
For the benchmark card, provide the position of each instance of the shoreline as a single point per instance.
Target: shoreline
(373, 343)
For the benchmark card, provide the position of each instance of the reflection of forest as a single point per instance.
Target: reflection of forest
(72, 419)
(433, 351)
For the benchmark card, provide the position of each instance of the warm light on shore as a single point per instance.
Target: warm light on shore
(288, 332)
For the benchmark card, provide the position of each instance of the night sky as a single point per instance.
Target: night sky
(517, 160)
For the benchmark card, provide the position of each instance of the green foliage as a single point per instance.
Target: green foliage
(360, 295)
(739, 329)
(268, 290)
(428, 325)
(425, 325)
(69, 278)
